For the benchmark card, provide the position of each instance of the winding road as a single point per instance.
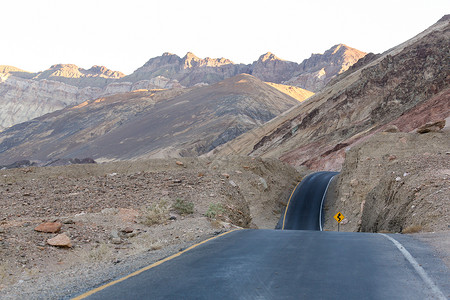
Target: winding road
(291, 264)
(304, 207)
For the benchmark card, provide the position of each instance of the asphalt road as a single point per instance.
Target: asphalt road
(292, 264)
(282, 264)
(305, 203)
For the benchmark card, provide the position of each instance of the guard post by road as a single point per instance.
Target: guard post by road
(339, 217)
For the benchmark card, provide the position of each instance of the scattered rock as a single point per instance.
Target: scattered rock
(392, 157)
(233, 183)
(179, 163)
(391, 129)
(113, 234)
(49, 227)
(127, 230)
(226, 175)
(110, 211)
(431, 127)
(61, 240)
(263, 182)
(116, 240)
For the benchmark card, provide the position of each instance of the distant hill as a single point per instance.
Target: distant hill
(155, 123)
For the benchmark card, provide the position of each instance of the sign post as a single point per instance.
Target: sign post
(339, 217)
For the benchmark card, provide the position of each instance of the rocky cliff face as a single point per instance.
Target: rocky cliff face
(24, 95)
(188, 70)
(273, 69)
(24, 99)
(312, 74)
(315, 72)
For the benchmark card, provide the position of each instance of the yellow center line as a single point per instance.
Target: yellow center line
(287, 206)
(87, 294)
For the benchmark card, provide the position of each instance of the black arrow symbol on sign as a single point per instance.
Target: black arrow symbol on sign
(339, 216)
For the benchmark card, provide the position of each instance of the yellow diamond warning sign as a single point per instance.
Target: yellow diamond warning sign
(339, 217)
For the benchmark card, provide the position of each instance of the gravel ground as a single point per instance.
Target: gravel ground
(122, 216)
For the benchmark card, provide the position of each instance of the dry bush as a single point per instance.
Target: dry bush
(214, 210)
(183, 207)
(412, 229)
(145, 242)
(100, 253)
(156, 246)
(5, 277)
(3, 273)
(156, 213)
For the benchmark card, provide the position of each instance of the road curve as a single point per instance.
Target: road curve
(285, 264)
(304, 206)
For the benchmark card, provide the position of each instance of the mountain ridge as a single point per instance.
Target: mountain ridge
(25, 95)
(168, 64)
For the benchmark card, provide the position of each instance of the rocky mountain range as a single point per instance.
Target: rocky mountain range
(25, 95)
(150, 124)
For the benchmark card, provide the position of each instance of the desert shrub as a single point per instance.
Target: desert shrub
(214, 210)
(412, 229)
(3, 273)
(156, 246)
(183, 207)
(99, 253)
(156, 213)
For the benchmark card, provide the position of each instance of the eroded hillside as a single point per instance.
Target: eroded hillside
(150, 124)
(407, 86)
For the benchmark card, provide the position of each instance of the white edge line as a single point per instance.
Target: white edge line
(434, 288)
(321, 204)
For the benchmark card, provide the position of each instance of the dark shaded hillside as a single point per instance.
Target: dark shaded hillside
(147, 123)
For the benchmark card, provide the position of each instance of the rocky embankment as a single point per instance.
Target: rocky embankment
(395, 182)
(60, 227)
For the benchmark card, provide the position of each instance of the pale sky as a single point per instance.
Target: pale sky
(123, 35)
